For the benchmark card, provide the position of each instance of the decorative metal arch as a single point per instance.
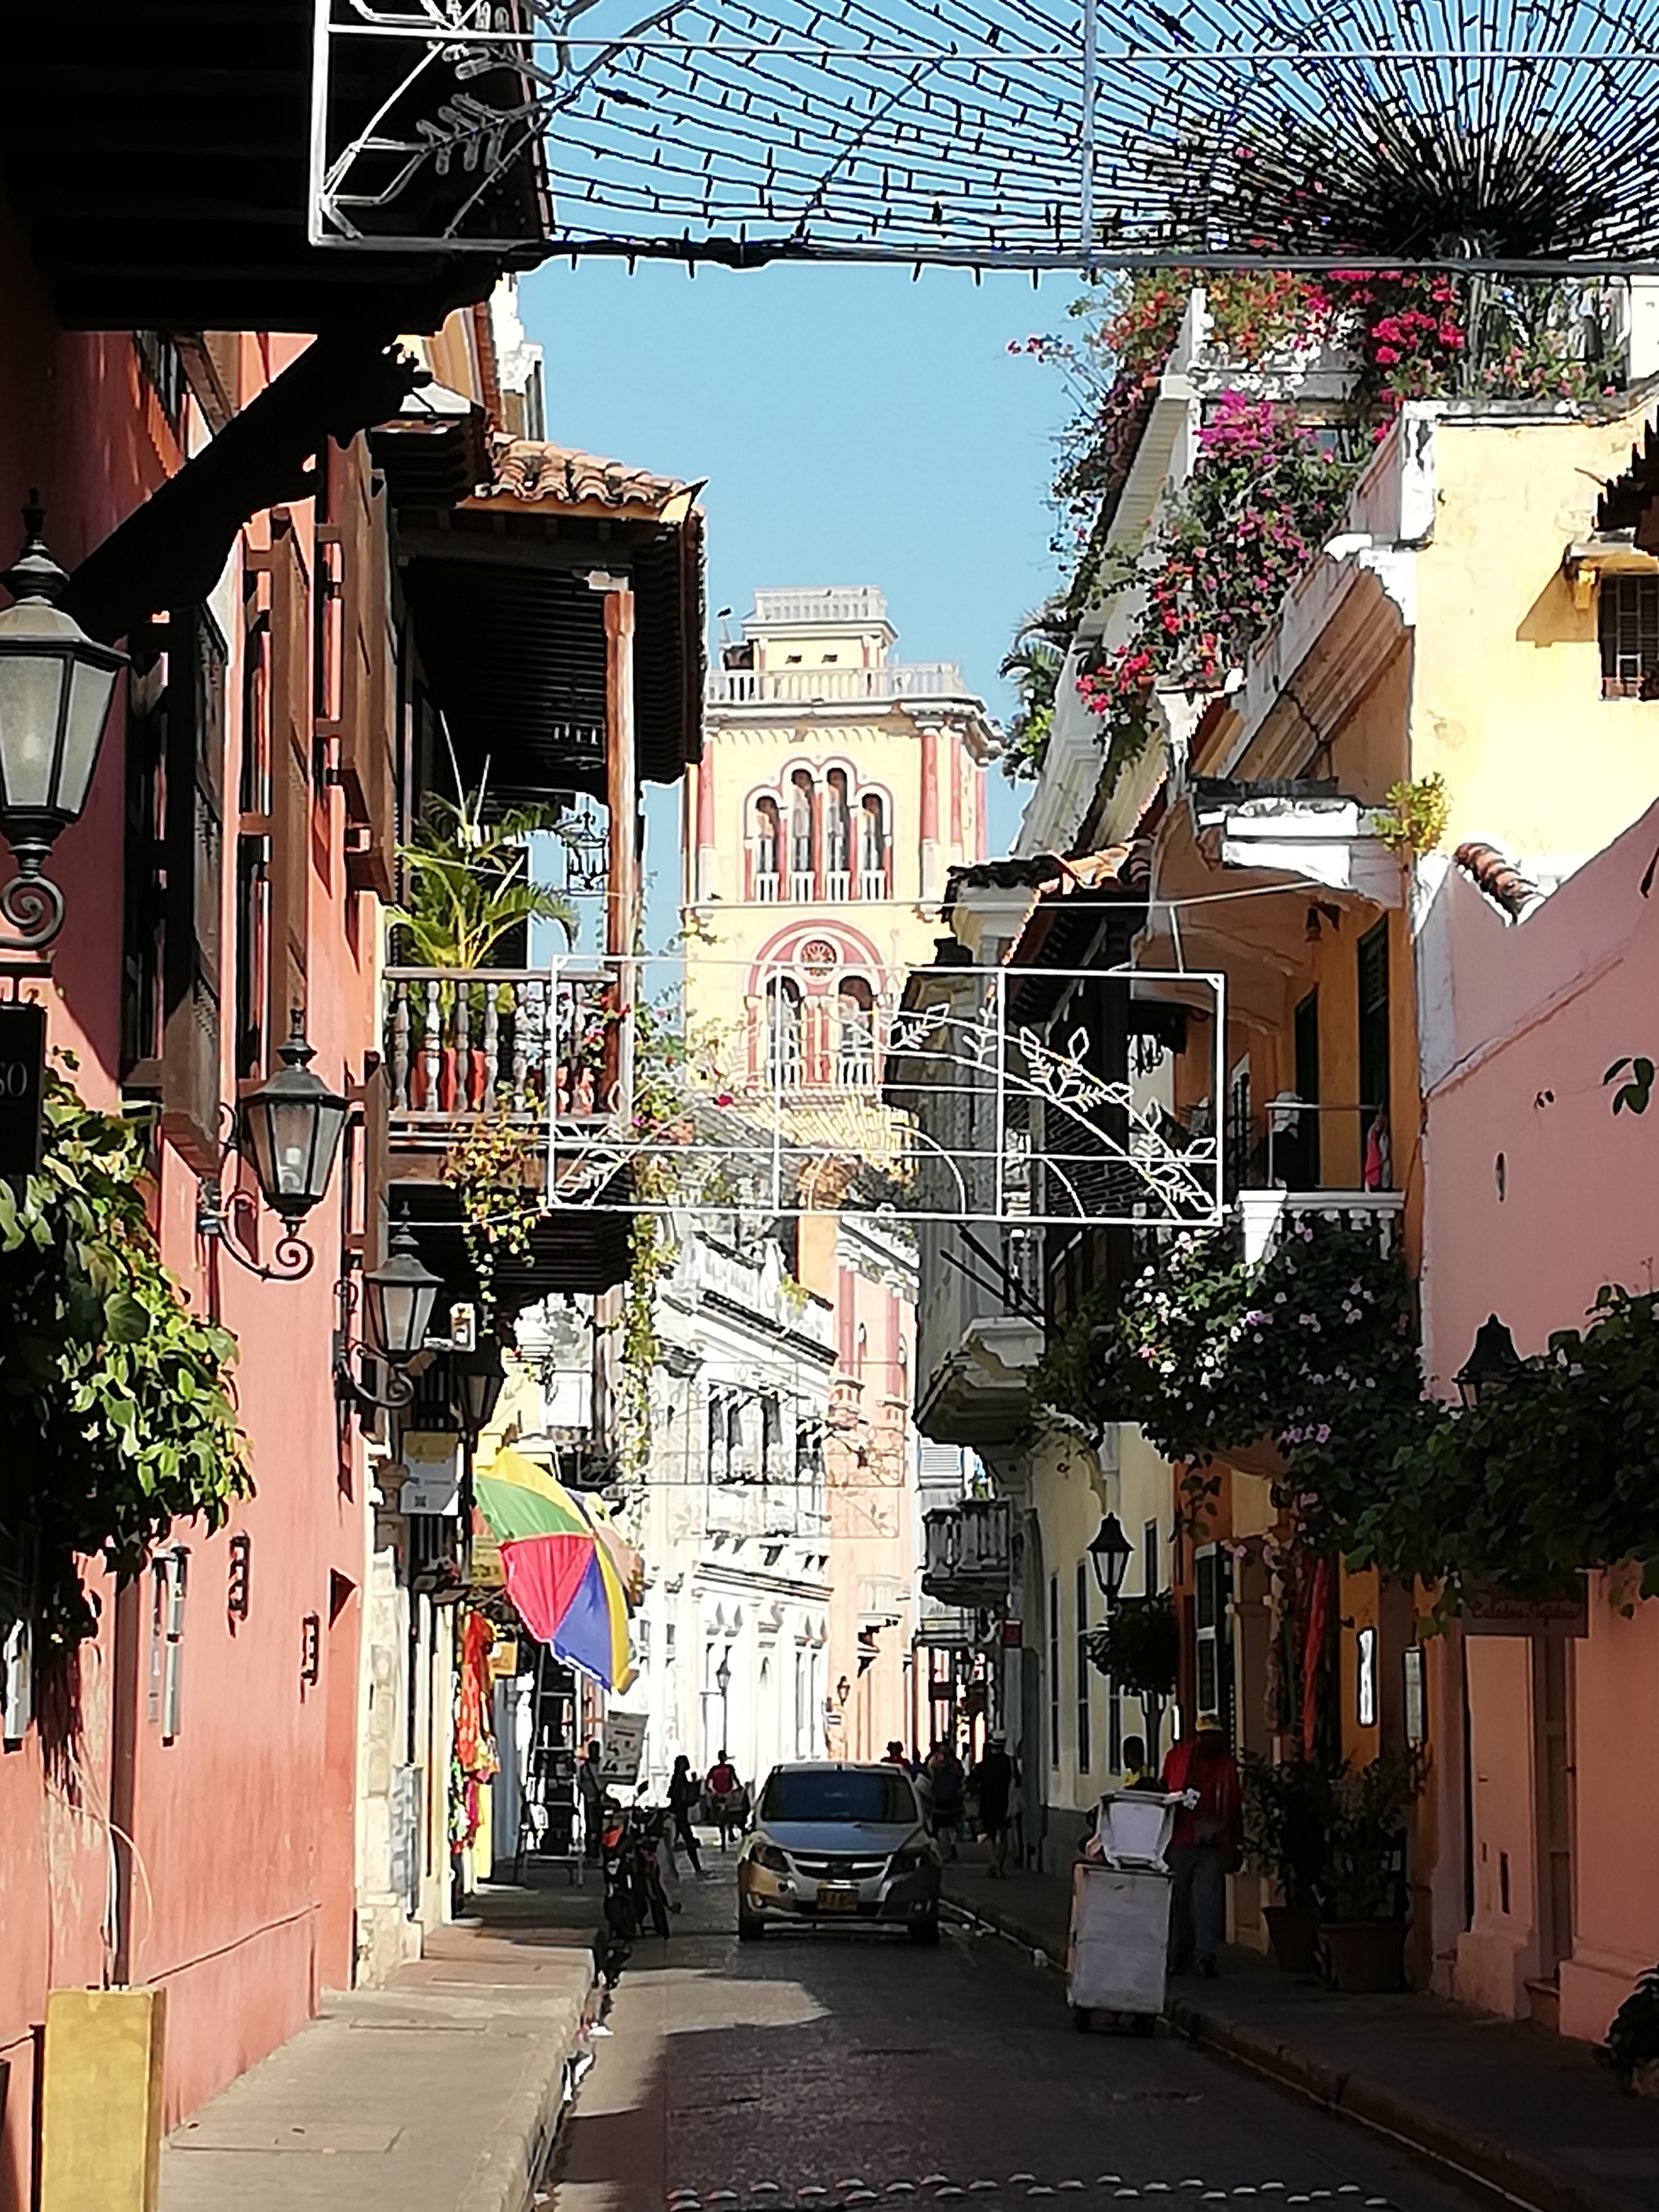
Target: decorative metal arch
(1506, 135)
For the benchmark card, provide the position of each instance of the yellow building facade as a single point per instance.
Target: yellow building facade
(837, 788)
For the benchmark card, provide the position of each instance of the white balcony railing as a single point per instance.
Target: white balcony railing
(766, 886)
(872, 883)
(855, 603)
(907, 679)
(970, 1551)
(838, 884)
(802, 888)
(1266, 1214)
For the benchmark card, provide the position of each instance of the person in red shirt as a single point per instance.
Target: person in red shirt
(1204, 1846)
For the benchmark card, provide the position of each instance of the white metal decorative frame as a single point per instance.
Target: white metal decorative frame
(1006, 1122)
(1505, 135)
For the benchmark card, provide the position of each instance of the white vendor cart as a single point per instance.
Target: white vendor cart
(1118, 1954)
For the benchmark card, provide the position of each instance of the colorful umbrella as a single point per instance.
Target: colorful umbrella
(559, 1572)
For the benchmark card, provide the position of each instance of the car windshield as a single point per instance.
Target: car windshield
(840, 1793)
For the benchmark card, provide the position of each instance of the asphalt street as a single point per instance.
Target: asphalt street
(817, 2070)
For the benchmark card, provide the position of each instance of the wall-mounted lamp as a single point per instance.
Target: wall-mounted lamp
(844, 1691)
(1110, 1554)
(398, 1298)
(289, 1129)
(478, 1376)
(56, 685)
(1492, 1363)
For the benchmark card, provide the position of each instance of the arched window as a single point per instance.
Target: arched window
(873, 847)
(855, 1053)
(768, 849)
(803, 881)
(837, 836)
(783, 1039)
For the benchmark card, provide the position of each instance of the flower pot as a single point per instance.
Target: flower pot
(1293, 1937)
(1364, 1956)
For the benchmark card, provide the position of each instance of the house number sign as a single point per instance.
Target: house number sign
(23, 1084)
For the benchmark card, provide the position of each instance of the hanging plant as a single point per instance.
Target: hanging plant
(1138, 1648)
(491, 1168)
(116, 1413)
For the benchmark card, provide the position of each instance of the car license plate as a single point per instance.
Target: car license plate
(837, 1897)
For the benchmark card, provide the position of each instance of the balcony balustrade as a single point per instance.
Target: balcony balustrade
(766, 886)
(512, 1044)
(1266, 1215)
(900, 680)
(970, 1552)
(872, 883)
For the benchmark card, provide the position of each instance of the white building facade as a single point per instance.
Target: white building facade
(732, 1639)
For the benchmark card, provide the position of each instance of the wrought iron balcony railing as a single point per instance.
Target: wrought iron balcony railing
(513, 1044)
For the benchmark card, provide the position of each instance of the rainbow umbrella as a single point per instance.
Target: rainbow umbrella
(559, 1573)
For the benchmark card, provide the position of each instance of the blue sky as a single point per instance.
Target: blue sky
(855, 426)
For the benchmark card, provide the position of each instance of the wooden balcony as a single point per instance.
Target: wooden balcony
(514, 1045)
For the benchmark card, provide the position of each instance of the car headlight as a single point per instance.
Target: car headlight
(768, 1856)
(910, 1861)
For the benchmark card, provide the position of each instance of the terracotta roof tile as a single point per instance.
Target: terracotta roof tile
(1498, 876)
(530, 468)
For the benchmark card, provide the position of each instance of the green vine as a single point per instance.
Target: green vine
(116, 1414)
(650, 1256)
(489, 1167)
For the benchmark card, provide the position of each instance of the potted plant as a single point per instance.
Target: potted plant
(1632, 2046)
(1287, 1818)
(1362, 1926)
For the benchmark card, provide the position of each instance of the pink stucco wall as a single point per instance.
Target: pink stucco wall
(1535, 1195)
(242, 1827)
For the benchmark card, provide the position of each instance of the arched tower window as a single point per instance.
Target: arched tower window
(768, 848)
(803, 874)
(873, 847)
(837, 836)
(855, 1053)
(783, 1033)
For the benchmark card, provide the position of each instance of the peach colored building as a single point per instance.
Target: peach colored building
(1535, 1195)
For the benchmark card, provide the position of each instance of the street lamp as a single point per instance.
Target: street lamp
(56, 685)
(478, 1377)
(398, 1298)
(1492, 1363)
(1110, 1554)
(723, 1684)
(289, 1129)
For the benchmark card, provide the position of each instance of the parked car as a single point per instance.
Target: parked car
(838, 1843)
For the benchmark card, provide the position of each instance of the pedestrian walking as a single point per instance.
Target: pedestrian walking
(894, 1756)
(993, 1783)
(683, 1793)
(590, 1791)
(1204, 1846)
(944, 1772)
(724, 1790)
(1137, 1775)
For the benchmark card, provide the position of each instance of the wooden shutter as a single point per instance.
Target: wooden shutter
(365, 730)
(194, 839)
(290, 773)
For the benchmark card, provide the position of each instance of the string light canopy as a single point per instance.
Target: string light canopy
(1510, 135)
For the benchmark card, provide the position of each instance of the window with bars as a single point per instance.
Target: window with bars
(1628, 619)
(1085, 1719)
(1053, 1670)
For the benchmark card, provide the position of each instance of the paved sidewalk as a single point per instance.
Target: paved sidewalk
(1501, 2103)
(442, 2093)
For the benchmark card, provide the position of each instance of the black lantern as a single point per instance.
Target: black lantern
(290, 1128)
(56, 685)
(398, 1300)
(1110, 1554)
(478, 1376)
(1493, 1362)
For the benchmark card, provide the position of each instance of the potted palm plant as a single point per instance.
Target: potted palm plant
(1362, 1924)
(1287, 1815)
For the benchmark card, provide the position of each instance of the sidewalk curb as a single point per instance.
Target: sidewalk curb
(1513, 2175)
(1474, 2160)
(515, 2159)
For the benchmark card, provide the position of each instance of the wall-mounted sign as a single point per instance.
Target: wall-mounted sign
(1012, 1635)
(1492, 1612)
(22, 1087)
(1416, 1710)
(432, 1481)
(623, 1742)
